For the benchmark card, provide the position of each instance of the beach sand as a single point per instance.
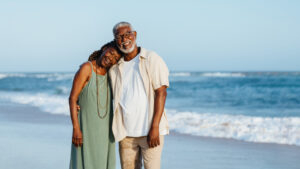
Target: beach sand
(32, 139)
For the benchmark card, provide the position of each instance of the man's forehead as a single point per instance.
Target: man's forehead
(123, 29)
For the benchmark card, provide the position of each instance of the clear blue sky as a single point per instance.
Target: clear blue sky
(211, 35)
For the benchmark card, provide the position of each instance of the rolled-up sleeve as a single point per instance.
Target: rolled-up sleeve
(159, 71)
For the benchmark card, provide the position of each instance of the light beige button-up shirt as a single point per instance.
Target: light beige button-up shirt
(155, 74)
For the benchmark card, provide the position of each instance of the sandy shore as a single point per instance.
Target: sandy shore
(31, 139)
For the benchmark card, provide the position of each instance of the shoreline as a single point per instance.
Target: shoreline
(48, 118)
(35, 115)
(43, 140)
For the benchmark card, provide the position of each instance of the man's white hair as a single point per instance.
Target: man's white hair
(121, 24)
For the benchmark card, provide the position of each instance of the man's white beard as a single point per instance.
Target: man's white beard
(127, 50)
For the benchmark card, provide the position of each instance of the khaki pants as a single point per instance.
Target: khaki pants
(133, 149)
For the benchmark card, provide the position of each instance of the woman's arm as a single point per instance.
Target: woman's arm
(82, 76)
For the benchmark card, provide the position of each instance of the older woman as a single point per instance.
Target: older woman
(93, 141)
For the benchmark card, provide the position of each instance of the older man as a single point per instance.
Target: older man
(139, 82)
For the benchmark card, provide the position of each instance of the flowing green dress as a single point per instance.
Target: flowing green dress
(98, 149)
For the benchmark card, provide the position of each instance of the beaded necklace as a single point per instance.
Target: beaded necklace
(98, 100)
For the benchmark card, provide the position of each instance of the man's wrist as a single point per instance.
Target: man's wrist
(155, 126)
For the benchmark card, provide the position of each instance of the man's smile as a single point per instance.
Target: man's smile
(126, 43)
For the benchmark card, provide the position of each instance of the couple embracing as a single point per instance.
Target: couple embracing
(121, 93)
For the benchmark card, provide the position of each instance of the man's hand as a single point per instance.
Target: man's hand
(77, 107)
(153, 137)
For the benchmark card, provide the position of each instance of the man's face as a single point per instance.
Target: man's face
(125, 39)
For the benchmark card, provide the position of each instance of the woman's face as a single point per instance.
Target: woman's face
(109, 57)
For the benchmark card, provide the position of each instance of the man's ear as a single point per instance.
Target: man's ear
(135, 34)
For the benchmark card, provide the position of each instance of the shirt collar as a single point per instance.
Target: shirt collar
(143, 53)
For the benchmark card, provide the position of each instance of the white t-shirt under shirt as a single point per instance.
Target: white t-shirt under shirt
(134, 100)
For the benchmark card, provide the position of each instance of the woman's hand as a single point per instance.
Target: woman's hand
(77, 138)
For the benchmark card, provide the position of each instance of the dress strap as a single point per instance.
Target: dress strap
(91, 66)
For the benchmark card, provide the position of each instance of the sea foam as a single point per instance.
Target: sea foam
(208, 74)
(284, 130)
(53, 104)
(180, 74)
(2, 76)
(281, 130)
(221, 74)
(6, 75)
(48, 76)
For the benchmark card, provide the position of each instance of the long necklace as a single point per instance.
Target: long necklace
(98, 101)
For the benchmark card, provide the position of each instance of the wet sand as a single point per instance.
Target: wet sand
(31, 139)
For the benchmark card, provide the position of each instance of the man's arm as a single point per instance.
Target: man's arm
(159, 105)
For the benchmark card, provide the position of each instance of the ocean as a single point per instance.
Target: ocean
(249, 106)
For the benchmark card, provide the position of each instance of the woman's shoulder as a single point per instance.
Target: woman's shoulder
(86, 67)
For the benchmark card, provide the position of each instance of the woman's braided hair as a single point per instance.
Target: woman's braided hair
(96, 54)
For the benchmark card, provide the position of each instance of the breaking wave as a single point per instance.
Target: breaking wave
(281, 130)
